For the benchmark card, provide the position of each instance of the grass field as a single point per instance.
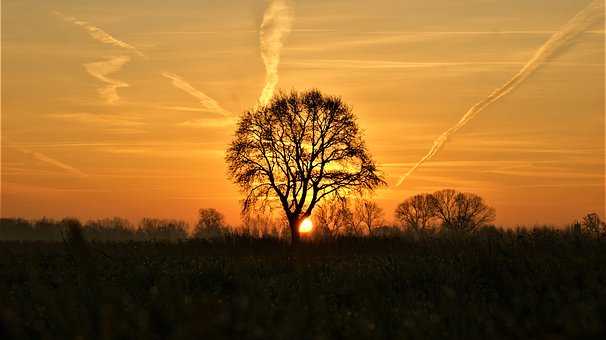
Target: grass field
(541, 284)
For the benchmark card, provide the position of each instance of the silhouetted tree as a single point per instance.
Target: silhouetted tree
(211, 224)
(262, 225)
(461, 211)
(593, 224)
(109, 229)
(332, 217)
(153, 229)
(416, 213)
(297, 150)
(370, 214)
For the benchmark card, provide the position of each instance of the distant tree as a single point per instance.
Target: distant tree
(416, 213)
(370, 214)
(49, 230)
(262, 225)
(461, 211)
(12, 229)
(331, 217)
(153, 229)
(211, 224)
(593, 224)
(109, 229)
(298, 150)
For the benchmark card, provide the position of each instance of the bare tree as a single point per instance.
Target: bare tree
(593, 224)
(211, 224)
(296, 151)
(461, 211)
(416, 213)
(370, 214)
(336, 216)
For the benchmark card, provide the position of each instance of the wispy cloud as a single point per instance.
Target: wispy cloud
(53, 162)
(101, 69)
(276, 25)
(583, 21)
(207, 102)
(99, 34)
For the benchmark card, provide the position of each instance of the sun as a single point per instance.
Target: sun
(306, 226)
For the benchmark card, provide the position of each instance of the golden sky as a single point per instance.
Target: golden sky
(120, 108)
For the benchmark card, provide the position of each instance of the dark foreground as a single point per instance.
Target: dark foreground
(492, 285)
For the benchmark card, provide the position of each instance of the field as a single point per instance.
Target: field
(493, 284)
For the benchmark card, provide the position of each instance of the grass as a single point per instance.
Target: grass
(539, 284)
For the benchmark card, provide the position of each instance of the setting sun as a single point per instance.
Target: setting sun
(306, 226)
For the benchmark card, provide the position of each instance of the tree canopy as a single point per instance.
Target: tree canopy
(297, 150)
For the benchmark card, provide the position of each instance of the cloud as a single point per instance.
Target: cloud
(101, 69)
(276, 25)
(208, 103)
(99, 34)
(53, 162)
(584, 20)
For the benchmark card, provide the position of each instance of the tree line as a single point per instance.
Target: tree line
(446, 210)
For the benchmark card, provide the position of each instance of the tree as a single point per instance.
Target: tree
(370, 214)
(330, 217)
(416, 213)
(154, 229)
(461, 211)
(211, 224)
(298, 150)
(593, 224)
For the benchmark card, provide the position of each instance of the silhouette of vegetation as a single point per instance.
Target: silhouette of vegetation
(211, 224)
(370, 214)
(298, 150)
(103, 230)
(486, 284)
(416, 213)
(452, 210)
(594, 225)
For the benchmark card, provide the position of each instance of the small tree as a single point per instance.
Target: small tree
(593, 224)
(370, 214)
(211, 224)
(461, 211)
(416, 213)
(333, 217)
(298, 150)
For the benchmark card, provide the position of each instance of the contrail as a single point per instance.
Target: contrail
(277, 23)
(206, 101)
(101, 69)
(44, 158)
(99, 34)
(589, 16)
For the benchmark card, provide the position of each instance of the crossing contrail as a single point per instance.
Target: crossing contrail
(583, 21)
(276, 25)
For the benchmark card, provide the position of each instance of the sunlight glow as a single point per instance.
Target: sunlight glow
(306, 226)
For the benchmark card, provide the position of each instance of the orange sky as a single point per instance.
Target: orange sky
(113, 108)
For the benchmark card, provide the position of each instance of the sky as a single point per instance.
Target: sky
(119, 108)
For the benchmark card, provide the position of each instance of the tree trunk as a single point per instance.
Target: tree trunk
(295, 237)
